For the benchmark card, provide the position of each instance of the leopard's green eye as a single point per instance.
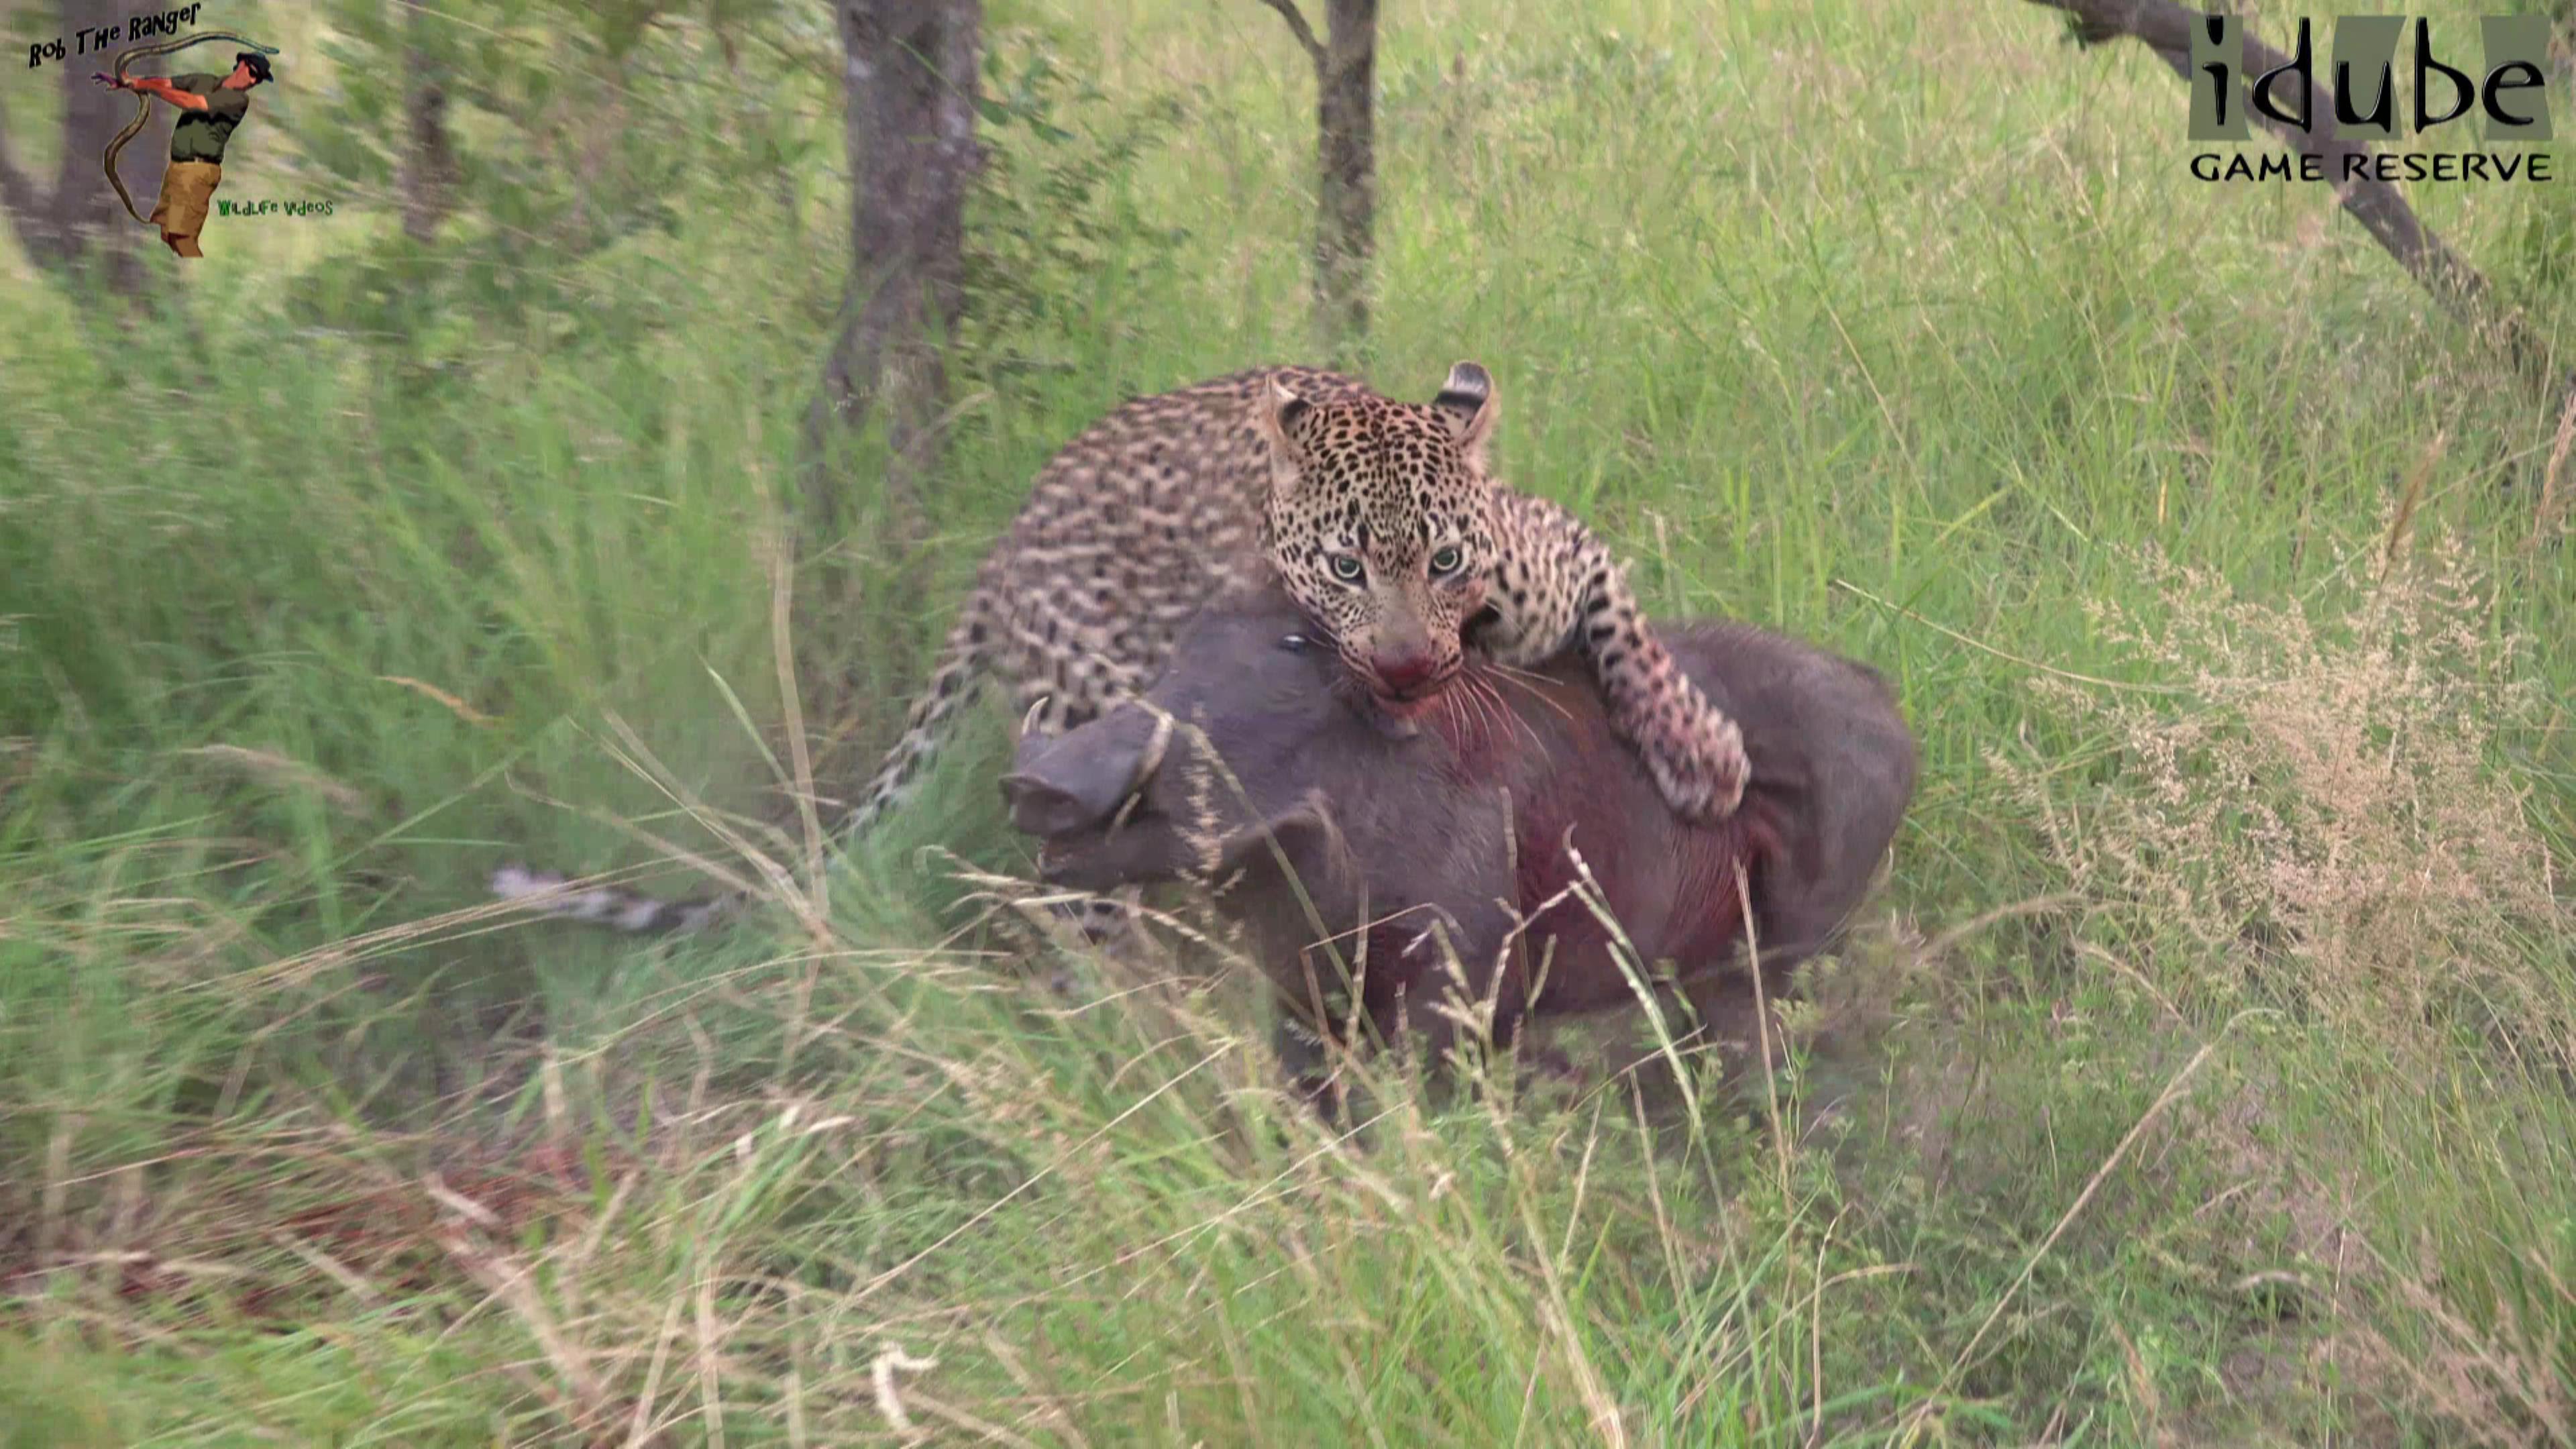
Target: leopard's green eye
(1347, 567)
(1448, 560)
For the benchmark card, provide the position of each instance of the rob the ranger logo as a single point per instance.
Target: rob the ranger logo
(2510, 89)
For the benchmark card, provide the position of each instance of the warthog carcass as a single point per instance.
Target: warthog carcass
(1356, 850)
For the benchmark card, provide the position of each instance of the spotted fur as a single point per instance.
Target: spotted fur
(1380, 516)
(1389, 531)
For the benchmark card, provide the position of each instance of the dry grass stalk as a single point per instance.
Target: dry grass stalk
(2315, 817)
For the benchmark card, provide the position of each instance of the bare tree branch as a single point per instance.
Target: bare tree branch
(1298, 27)
(2165, 28)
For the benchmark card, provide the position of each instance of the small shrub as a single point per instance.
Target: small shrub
(2311, 809)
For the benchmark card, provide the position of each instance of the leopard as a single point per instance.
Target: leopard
(1386, 524)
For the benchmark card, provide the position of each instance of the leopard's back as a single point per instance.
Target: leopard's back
(1127, 530)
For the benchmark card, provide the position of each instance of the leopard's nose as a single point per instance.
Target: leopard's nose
(1402, 674)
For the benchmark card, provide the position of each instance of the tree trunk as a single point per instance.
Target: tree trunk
(1346, 149)
(428, 171)
(62, 225)
(909, 71)
(1345, 63)
(910, 68)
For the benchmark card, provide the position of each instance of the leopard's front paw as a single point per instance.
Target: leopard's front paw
(1702, 771)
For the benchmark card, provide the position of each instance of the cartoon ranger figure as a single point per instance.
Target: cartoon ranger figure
(209, 107)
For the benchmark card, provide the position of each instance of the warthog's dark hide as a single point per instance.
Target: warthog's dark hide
(1329, 835)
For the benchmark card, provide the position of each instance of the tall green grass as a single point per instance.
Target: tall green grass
(2157, 1101)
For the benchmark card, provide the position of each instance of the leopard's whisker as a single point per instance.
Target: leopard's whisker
(1503, 707)
(1528, 683)
(1475, 702)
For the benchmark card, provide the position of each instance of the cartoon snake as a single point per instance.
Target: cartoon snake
(143, 102)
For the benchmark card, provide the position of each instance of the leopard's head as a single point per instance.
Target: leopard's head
(1379, 518)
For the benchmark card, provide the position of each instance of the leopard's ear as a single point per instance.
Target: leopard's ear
(1279, 410)
(1466, 402)
(1283, 408)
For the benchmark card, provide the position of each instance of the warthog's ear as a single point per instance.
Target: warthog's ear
(1301, 841)
(1043, 809)
(1073, 782)
(1466, 401)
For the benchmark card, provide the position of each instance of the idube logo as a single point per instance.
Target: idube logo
(2509, 89)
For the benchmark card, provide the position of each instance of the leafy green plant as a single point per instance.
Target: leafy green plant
(1055, 234)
